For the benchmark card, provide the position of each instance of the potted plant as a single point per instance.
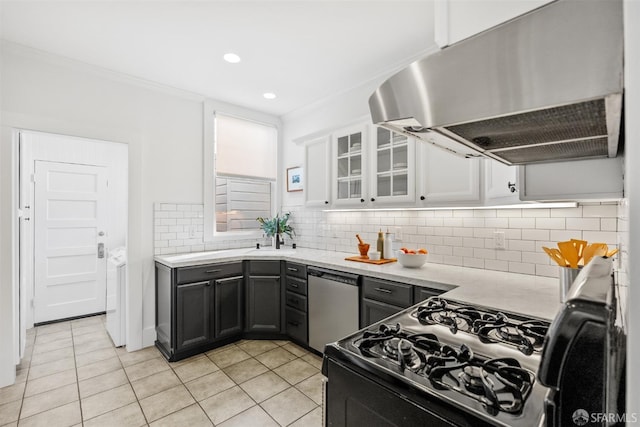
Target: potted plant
(276, 227)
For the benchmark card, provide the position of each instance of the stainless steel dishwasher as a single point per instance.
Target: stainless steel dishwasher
(333, 306)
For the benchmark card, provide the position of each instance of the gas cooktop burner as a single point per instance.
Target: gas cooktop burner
(498, 384)
(527, 336)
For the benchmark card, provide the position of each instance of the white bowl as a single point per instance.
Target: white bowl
(374, 255)
(411, 260)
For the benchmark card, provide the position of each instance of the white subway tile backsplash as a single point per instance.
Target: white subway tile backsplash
(536, 213)
(608, 224)
(484, 253)
(463, 232)
(509, 213)
(509, 255)
(566, 212)
(473, 222)
(473, 262)
(496, 222)
(608, 237)
(535, 234)
(522, 222)
(550, 223)
(563, 235)
(452, 222)
(470, 242)
(454, 237)
(463, 252)
(583, 224)
(520, 267)
(600, 211)
(494, 264)
(521, 245)
(537, 257)
(167, 207)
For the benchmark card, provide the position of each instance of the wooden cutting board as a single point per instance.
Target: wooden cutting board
(370, 261)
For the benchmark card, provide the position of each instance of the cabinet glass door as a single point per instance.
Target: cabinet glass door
(393, 166)
(349, 154)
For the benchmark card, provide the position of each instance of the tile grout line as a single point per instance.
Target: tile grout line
(279, 345)
(75, 365)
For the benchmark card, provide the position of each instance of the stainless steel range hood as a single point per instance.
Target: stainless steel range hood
(544, 87)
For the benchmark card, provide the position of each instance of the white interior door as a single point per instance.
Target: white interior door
(70, 218)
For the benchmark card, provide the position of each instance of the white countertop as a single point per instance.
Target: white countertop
(521, 293)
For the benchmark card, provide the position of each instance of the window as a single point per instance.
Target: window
(244, 175)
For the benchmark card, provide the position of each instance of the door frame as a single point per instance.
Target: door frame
(112, 155)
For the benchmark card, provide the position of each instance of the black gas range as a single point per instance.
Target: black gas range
(445, 362)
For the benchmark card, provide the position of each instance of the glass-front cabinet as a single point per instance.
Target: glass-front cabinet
(393, 177)
(350, 166)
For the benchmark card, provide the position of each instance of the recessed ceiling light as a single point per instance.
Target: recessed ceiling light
(232, 58)
(269, 95)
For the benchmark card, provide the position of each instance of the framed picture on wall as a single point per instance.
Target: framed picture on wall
(294, 179)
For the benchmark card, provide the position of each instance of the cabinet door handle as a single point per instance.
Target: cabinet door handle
(373, 199)
(361, 200)
(511, 186)
(292, 269)
(195, 284)
(422, 198)
(326, 202)
(212, 271)
(228, 279)
(296, 324)
(293, 285)
(384, 291)
(293, 301)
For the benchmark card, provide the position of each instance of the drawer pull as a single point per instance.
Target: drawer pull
(292, 269)
(296, 324)
(384, 291)
(212, 271)
(294, 285)
(293, 301)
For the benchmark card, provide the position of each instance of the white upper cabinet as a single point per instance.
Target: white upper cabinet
(349, 169)
(317, 166)
(393, 168)
(501, 185)
(456, 20)
(447, 179)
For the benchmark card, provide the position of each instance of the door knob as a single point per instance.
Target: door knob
(101, 233)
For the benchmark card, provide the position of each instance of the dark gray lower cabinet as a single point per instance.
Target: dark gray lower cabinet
(382, 298)
(194, 321)
(264, 308)
(228, 306)
(374, 311)
(198, 308)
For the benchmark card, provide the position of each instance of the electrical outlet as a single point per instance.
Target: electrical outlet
(397, 233)
(498, 239)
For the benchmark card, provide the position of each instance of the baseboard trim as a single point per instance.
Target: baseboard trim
(149, 336)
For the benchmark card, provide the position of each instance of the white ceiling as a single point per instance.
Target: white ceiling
(304, 51)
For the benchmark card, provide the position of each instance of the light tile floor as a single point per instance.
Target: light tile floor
(72, 375)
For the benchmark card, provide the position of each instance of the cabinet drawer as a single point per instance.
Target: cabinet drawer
(207, 272)
(296, 270)
(297, 325)
(297, 285)
(296, 301)
(264, 268)
(393, 293)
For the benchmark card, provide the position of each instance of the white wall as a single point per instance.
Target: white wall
(632, 194)
(162, 127)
